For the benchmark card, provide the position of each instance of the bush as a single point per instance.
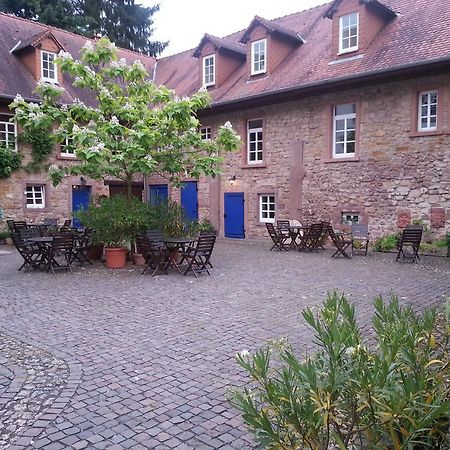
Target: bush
(386, 243)
(4, 235)
(349, 395)
(9, 161)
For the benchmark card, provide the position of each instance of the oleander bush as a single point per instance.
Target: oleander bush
(389, 392)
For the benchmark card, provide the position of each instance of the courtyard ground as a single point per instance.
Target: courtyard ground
(112, 359)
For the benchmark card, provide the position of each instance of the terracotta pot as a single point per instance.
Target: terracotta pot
(115, 257)
(138, 259)
(95, 252)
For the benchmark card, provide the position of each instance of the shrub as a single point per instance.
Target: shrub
(9, 161)
(386, 243)
(349, 395)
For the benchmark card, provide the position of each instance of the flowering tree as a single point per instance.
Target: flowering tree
(130, 127)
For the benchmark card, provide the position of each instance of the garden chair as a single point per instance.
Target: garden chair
(83, 242)
(198, 256)
(410, 238)
(33, 255)
(360, 237)
(155, 237)
(208, 233)
(10, 224)
(342, 242)
(311, 241)
(59, 254)
(157, 257)
(52, 222)
(278, 239)
(67, 223)
(19, 225)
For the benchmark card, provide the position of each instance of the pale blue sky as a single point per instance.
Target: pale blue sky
(184, 22)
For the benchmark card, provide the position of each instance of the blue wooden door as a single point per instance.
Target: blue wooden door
(234, 215)
(158, 194)
(80, 200)
(189, 200)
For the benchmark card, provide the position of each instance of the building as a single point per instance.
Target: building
(344, 114)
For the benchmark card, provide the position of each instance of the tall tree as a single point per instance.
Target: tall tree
(126, 23)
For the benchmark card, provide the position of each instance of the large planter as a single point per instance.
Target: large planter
(95, 252)
(116, 257)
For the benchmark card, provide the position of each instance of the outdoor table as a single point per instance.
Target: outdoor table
(174, 244)
(295, 233)
(44, 242)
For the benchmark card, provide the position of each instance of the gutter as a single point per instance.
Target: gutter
(406, 71)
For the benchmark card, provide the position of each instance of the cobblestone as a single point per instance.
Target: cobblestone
(113, 359)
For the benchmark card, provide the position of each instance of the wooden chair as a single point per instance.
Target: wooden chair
(411, 237)
(19, 225)
(198, 256)
(342, 242)
(155, 237)
(59, 254)
(157, 257)
(33, 255)
(312, 239)
(360, 236)
(83, 242)
(278, 239)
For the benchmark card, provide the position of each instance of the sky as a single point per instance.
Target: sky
(184, 22)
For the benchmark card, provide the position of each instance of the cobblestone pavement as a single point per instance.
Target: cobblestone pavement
(112, 359)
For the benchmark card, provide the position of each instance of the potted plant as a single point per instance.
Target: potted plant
(3, 236)
(115, 221)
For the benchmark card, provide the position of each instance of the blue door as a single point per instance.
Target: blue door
(189, 200)
(80, 200)
(158, 194)
(234, 215)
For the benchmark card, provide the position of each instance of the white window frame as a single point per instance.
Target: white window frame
(350, 36)
(349, 217)
(262, 62)
(259, 152)
(55, 70)
(344, 117)
(265, 200)
(428, 115)
(209, 70)
(206, 133)
(33, 189)
(65, 145)
(5, 136)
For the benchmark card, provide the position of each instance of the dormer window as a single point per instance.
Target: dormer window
(348, 33)
(48, 68)
(209, 71)
(259, 57)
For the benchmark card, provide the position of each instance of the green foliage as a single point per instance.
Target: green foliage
(122, 136)
(386, 243)
(4, 235)
(10, 161)
(42, 143)
(347, 395)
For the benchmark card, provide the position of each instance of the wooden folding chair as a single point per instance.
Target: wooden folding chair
(197, 257)
(360, 237)
(411, 238)
(33, 255)
(312, 239)
(156, 256)
(59, 255)
(341, 242)
(278, 239)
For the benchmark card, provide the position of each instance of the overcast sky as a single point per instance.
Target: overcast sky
(184, 22)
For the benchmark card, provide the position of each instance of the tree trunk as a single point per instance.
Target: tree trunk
(129, 187)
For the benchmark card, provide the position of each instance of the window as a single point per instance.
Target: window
(348, 33)
(48, 68)
(209, 76)
(35, 196)
(428, 111)
(259, 57)
(8, 132)
(350, 217)
(344, 130)
(205, 133)
(267, 208)
(67, 148)
(255, 141)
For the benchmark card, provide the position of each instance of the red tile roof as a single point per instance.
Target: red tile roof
(17, 78)
(220, 43)
(419, 35)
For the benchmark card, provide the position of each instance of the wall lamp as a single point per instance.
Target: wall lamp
(232, 180)
(83, 181)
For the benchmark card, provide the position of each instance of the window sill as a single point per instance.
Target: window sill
(425, 133)
(341, 160)
(253, 166)
(67, 158)
(36, 210)
(263, 224)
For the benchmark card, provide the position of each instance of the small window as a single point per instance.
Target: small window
(255, 141)
(8, 132)
(35, 196)
(67, 148)
(267, 208)
(205, 133)
(428, 111)
(348, 33)
(259, 57)
(350, 217)
(48, 68)
(209, 74)
(344, 130)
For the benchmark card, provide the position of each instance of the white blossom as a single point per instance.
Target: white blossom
(97, 148)
(33, 105)
(88, 46)
(350, 351)
(53, 168)
(65, 55)
(76, 129)
(203, 89)
(139, 64)
(65, 107)
(112, 46)
(119, 64)
(18, 98)
(149, 158)
(114, 120)
(78, 102)
(228, 125)
(243, 354)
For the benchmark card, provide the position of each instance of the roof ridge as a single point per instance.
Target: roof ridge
(51, 27)
(302, 11)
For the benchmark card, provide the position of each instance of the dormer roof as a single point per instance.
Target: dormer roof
(272, 27)
(220, 43)
(380, 8)
(34, 40)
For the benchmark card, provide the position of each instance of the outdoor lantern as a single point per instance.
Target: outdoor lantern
(232, 180)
